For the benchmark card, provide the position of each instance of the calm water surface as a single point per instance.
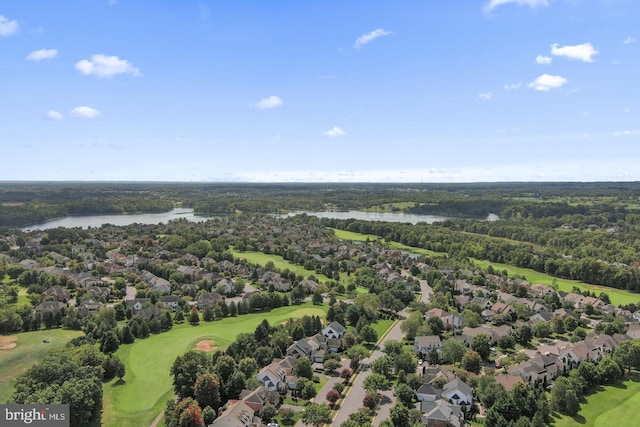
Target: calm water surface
(156, 218)
(99, 220)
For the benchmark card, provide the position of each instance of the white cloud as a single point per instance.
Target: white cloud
(492, 4)
(546, 82)
(582, 52)
(54, 115)
(8, 27)
(106, 66)
(513, 86)
(334, 132)
(626, 133)
(541, 59)
(39, 55)
(629, 40)
(270, 102)
(485, 96)
(84, 112)
(366, 38)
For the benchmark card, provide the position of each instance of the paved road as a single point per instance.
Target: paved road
(353, 400)
(426, 291)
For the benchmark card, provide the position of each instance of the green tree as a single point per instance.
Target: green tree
(523, 335)
(399, 415)
(382, 365)
(412, 325)
(109, 342)
(303, 368)
(235, 384)
(194, 317)
(316, 415)
(185, 371)
(268, 413)
(453, 351)
(542, 330)
(309, 390)
(404, 362)
(472, 362)
(405, 394)
(317, 298)
(207, 390)
(369, 334)
(393, 348)
(481, 345)
(376, 382)
(609, 370)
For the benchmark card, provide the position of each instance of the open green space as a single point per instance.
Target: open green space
(610, 405)
(142, 394)
(617, 296)
(360, 237)
(281, 263)
(29, 350)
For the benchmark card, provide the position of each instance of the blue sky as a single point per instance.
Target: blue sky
(282, 90)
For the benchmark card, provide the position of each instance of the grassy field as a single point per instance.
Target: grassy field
(359, 237)
(617, 296)
(281, 263)
(610, 405)
(29, 350)
(142, 394)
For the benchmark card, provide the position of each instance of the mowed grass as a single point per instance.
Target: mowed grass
(360, 237)
(617, 296)
(28, 351)
(610, 405)
(281, 264)
(147, 385)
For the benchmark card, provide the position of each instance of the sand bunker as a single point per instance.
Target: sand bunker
(7, 343)
(206, 345)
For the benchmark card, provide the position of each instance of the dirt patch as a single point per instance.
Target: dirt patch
(8, 342)
(206, 345)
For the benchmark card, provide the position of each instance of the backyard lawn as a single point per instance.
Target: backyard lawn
(142, 394)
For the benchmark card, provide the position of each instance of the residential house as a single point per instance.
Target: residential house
(309, 347)
(422, 345)
(136, 304)
(508, 381)
(334, 330)
(272, 375)
(441, 413)
(56, 293)
(428, 393)
(237, 414)
(209, 300)
(259, 397)
(89, 307)
(457, 392)
(45, 307)
(170, 301)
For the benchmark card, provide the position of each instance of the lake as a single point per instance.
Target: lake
(86, 221)
(156, 218)
(374, 216)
